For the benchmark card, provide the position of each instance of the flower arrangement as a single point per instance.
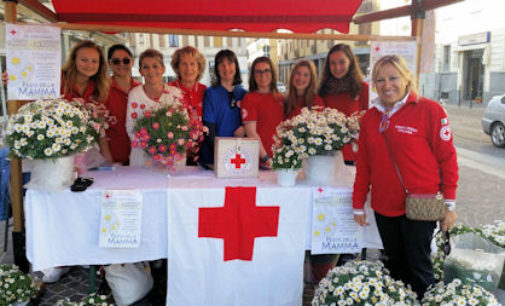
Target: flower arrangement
(495, 233)
(52, 128)
(457, 293)
(92, 299)
(15, 285)
(316, 131)
(166, 134)
(362, 283)
(285, 157)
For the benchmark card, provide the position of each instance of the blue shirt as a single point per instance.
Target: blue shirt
(218, 111)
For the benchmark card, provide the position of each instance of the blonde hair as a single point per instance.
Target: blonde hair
(199, 58)
(310, 91)
(401, 65)
(101, 78)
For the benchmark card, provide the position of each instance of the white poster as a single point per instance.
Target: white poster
(33, 61)
(120, 219)
(378, 49)
(333, 228)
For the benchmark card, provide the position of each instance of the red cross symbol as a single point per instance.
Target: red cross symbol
(238, 222)
(107, 196)
(238, 161)
(377, 48)
(13, 32)
(320, 190)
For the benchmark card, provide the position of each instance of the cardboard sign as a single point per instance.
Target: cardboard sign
(236, 157)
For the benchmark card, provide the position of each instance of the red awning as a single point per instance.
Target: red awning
(249, 15)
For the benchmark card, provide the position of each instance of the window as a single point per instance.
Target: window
(173, 40)
(447, 58)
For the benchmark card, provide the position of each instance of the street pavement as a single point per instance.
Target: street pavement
(480, 199)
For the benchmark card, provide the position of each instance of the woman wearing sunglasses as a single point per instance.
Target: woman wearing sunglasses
(302, 89)
(262, 107)
(343, 88)
(221, 109)
(189, 66)
(121, 63)
(412, 134)
(151, 96)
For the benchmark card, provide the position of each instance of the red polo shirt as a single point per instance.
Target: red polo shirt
(74, 93)
(119, 142)
(193, 97)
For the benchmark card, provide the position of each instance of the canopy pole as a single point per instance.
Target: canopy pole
(18, 237)
(417, 32)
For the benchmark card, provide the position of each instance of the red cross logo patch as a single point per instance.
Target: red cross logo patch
(239, 222)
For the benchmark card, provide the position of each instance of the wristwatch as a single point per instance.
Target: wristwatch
(450, 205)
(265, 158)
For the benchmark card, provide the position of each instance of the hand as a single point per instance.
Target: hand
(239, 132)
(205, 130)
(266, 165)
(361, 219)
(448, 220)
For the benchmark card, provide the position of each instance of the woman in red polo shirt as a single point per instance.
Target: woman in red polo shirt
(263, 107)
(302, 89)
(189, 66)
(343, 88)
(121, 63)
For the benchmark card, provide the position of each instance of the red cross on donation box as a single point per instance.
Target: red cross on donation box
(238, 161)
(238, 222)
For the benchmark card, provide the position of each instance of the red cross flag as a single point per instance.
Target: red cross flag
(237, 246)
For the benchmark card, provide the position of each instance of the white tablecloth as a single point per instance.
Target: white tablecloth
(62, 227)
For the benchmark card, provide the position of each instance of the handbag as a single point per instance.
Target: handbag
(421, 207)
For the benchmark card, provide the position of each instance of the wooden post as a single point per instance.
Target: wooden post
(417, 32)
(18, 238)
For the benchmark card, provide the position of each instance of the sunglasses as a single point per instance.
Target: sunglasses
(117, 61)
(233, 102)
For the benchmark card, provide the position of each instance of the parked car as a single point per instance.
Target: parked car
(493, 122)
(281, 87)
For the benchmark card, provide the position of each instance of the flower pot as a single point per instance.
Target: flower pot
(52, 174)
(326, 170)
(286, 177)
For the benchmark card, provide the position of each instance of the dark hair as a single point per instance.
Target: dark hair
(310, 92)
(252, 82)
(354, 74)
(101, 77)
(229, 55)
(116, 47)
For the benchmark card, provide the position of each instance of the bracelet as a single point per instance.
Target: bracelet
(265, 158)
(450, 205)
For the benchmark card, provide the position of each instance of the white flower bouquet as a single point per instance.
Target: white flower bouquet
(495, 233)
(15, 285)
(285, 157)
(47, 129)
(362, 283)
(457, 293)
(316, 131)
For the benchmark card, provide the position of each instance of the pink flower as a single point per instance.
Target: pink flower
(189, 144)
(134, 104)
(142, 106)
(143, 131)
(162, 148)
(147, 114)
(136, 134)
(172, 148)
(184, 128)
(181, 141)
(156, 125)
(159, 157)
(134, 115)
(135, 144)
(143, 144)
(152, 150)
(170, 162)
(170, 135)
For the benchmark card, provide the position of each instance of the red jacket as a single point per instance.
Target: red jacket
(421, 143)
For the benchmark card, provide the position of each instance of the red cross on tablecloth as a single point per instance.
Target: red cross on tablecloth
(13, 32)
(238, 222)
(238, 161)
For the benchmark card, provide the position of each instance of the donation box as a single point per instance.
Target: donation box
(236, 157)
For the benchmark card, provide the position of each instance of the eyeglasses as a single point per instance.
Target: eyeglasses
(233, 102)
(262, 71)
(117, 61)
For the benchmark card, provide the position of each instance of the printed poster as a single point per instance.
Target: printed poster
(33, 61)
(120, 219)
(334, 230)
(378, 49)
